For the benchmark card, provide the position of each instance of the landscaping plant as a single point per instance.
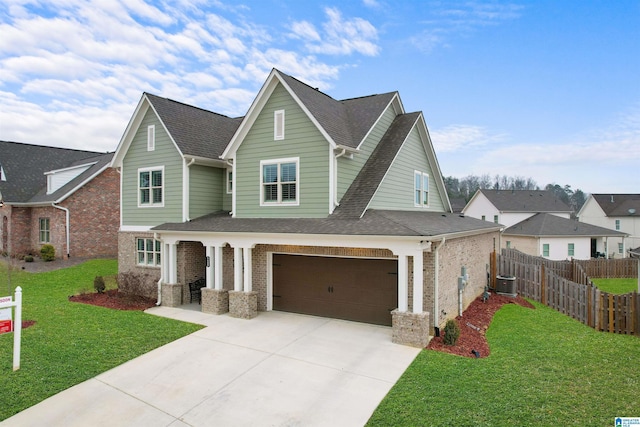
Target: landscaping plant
(48, 252)
(451, 332)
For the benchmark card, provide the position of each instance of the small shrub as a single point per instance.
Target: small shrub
(451, 332)
(48, 253)
(99, 285)
(28, 258)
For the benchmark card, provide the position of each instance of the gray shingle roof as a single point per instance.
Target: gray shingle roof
(525, 201)
(373, 223)
(24, 166)
(359, 194)
(347, 121)
(549, 225)
(197, 132)
(619, 204)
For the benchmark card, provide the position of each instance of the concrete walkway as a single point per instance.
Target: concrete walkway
(279, 369)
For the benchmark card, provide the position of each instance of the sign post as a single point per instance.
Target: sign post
(7, 325)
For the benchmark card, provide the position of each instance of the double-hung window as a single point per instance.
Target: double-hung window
(545, 249)
(45, 230)
(421, 189)
(570, 249)
(229, 181)
(279, 181)
(618, 224)
(150, 187)
(149, 252)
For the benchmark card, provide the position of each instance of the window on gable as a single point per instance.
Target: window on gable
(545, 249)
(279, 181)
(149, 252)
(495, 219)
(570, 249)
(151, 137)
(278, 125)
(484, 217)
(617, 224)
(150, 188)
(229, 181)
(45, 230)
(421, 188)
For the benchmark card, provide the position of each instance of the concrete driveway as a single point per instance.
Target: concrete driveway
(279, 369)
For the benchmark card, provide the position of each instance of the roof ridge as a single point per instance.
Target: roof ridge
(52, 147)
(191, 106)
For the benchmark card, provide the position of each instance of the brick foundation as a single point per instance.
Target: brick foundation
(243, 304)
(171, 295)
(410, 329)
(215, 301)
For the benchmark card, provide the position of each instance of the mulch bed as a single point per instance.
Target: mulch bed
(115, 300)
(473, 326)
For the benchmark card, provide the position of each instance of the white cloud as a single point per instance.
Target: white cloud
(463, 137)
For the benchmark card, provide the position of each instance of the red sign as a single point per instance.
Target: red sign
(6, 326)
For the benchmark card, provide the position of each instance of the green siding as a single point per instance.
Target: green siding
(348, 169)
(303, 140)
(205, 190)
(397, 188)
(165, 154)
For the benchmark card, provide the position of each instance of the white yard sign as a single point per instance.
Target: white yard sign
(5, 316)
(16, 326)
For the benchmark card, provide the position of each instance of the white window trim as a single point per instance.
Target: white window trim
(151, 138)
(278, 119)
(164, 180)
(154, 252)
(46, 230)
(295, 160)
(571, 247)
(415, 188)
(228, 172)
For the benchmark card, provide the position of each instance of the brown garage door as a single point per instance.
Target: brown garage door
(363, 290)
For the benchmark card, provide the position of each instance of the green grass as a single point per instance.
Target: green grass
(71, 342)
(545, 369)
(617, 286)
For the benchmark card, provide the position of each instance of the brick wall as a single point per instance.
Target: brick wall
(57, 230)
(192, 264)
(127, 263)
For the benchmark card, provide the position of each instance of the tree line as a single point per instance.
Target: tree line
(465, 188)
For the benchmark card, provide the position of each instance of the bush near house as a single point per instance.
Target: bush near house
(48, 253)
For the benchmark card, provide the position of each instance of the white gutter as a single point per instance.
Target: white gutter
(162, 267)
(66, 211)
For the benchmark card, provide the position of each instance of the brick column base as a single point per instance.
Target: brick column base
(410, 329)
(243, 304)
(215, 301)
(171, 294)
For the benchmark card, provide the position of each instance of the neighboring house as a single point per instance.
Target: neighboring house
(620, 212)
(556, 238)
(307, 204)
(509, 207)
(63, 197)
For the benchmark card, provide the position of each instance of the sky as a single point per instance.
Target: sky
(548, 90)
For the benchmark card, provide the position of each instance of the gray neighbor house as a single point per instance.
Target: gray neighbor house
(308, 204)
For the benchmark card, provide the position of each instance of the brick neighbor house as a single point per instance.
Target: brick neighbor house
(67, 198)
(308, 204)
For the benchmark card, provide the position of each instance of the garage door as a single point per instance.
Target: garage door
(363, 290)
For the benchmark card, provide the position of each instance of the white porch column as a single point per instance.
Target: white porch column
(173, 263)
(247, 269)
(210, 266)
(418, 282)
(237, 269)
(217, 269)
(165, 263)
(403, 284)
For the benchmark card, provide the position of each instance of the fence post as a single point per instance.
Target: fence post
(543, 285)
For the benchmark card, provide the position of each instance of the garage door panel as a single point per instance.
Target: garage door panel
(346, 288)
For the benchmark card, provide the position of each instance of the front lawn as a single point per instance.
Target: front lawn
(71, 342)
(617, 286)
(545, 369)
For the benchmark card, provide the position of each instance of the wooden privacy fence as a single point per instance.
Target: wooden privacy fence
(568, 289)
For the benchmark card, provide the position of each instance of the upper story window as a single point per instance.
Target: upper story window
(278, 125)
(508, 244)
(617, 224)
(149, 252)
(421, 189)
(545, 249)
(484, 217)
(151, 137)
(279, 181)
(495, 219)
(570, 249)
(229, 181)
(150, 187)
(45, 230)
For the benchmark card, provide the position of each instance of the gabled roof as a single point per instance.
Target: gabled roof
(523, 201)
(362, 189)
(24, 166)
(549, 225)
(196, 132)
(619, 204)
(373, 223)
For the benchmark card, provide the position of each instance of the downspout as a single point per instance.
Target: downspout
(436, 286)
(162, 267)
(335, 175)
(66, 211)
(185, 190)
